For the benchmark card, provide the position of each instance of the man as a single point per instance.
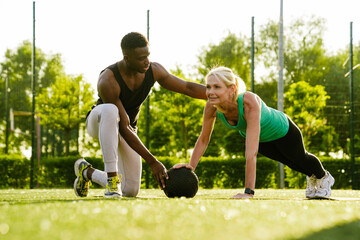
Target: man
(122, 88)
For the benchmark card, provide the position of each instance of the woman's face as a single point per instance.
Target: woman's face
(217, 92)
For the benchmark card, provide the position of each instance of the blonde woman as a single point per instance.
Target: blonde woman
(266, 130)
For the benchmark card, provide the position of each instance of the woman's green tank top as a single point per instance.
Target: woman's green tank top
(273, 124)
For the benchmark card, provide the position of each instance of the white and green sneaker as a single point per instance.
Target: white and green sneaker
(113, 187)
(81, 184)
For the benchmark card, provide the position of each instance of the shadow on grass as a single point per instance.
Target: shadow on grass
(348, 231)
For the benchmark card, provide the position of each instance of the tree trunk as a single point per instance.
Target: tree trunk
(67, 142)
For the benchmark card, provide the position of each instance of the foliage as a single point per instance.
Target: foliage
(232, 52)
(17, 69)
(234, 143)
(337, 86)
(175, 121)
(305, 60)
(14, 172)
(65, 104)
(305, 104)
(212, 172)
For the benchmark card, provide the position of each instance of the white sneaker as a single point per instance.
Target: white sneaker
(310, 186)
(323, 185)
(113, 187)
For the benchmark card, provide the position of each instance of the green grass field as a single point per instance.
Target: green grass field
(273, 214)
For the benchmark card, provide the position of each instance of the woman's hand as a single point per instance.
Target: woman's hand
(242, 196)
(181, 165)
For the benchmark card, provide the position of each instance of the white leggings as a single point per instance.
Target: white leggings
(103, 124)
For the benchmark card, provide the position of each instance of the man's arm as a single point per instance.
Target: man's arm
(109, 91)
(173, 83)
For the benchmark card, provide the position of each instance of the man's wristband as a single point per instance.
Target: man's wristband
(249, 191)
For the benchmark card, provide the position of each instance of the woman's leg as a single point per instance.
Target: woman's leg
(292, 148)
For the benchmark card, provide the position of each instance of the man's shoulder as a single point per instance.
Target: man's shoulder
(107, 73)
(106, 79)
(159, 72)
(155, 66)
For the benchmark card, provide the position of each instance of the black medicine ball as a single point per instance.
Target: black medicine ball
(182, 182)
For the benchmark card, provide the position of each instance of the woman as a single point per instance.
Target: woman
(266, 130)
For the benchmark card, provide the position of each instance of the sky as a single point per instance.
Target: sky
(87, 33)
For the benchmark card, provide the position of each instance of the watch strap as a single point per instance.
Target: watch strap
(249, 191)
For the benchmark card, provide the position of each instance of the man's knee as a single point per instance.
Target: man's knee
(131, 190)
(109, 111)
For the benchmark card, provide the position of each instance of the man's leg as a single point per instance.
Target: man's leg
(130, 167)
(102, 124)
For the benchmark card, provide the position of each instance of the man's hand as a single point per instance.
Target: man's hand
(160, 173)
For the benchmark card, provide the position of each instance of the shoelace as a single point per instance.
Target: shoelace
(114, 181)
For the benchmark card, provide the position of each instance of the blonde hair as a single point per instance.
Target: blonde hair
(229, 78)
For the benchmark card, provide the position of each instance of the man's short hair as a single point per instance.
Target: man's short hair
(133, 40)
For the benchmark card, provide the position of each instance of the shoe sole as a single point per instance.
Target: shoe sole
(75, 184)
(76, 170)
(113, 196)
(310, 196)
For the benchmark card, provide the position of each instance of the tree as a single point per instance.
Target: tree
(337, 86)
(17, 68)
(305, 57)
(65, 104)
(305, 105)
(176, 121)
(305, 60)
(232, 52)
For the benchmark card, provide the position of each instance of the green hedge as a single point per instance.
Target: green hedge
(212, 172)
(14, 172)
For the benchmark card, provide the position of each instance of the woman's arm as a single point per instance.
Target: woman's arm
(252, 114)
(204, 138)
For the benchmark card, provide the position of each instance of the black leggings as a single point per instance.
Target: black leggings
(290, 151)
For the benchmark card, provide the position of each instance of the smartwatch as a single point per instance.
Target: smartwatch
(249, 191)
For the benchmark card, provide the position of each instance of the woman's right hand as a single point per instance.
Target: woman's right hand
(181, 165)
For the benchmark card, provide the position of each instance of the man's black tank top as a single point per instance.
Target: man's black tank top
(132, 100)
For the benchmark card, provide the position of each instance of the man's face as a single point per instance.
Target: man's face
(138, 59)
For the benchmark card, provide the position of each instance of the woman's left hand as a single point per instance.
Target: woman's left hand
(242, 196)
(181, 165)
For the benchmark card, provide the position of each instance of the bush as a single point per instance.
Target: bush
(14, 172)
(59, 172)
(212, 172)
